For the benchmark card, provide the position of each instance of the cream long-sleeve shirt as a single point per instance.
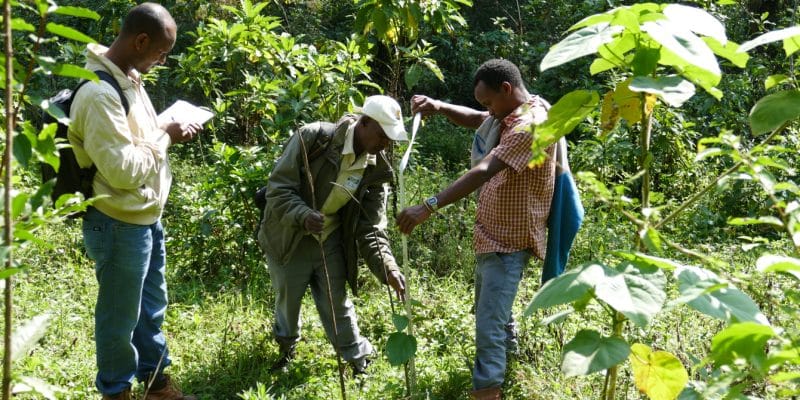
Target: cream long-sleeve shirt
(130, 152)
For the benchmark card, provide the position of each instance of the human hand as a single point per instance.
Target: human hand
(411, 217)
(314, 222)
(424, 105)
(398, 282)
(182, 132)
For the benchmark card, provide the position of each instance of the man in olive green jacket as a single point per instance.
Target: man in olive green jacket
(342, 206)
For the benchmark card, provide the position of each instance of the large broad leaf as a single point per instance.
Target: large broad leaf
(641, 258)
(73, 71)
(562, 118)
(774, 110)
(69, 33)
(684, 44)
(79, 12)
(27, 384)
(580, 43)
(745, 340)
(570, 286)
(400, 347)
(773, 263)
(790, 34)
(658, 374)
(588, 352)
(672, 89)
(635, 291)
(729, 51)
(718, 298)
(26, 336)
(697, 20)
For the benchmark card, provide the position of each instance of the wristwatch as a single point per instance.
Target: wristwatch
(432, 203)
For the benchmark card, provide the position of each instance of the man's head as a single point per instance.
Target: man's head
(380, 123)
(498, 87)
(149, 31)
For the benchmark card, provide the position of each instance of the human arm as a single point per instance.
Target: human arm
(373, 242)
(463, 186)
(459, 115)
(284, 188)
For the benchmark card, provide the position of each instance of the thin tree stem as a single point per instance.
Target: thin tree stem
(8, 227)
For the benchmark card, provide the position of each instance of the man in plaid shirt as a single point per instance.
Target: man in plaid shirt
(513, 206)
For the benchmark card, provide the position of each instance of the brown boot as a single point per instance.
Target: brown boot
(166, 390)
(124, 395)
(493, 393)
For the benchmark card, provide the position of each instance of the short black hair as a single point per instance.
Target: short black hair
(149, 18)
(496, 71)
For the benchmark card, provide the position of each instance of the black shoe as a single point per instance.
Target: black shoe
(283, 361)
(360, 367)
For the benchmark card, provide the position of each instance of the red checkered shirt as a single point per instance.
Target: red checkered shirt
(514, 204)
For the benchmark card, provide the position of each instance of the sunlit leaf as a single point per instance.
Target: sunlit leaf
(697, 20)
(684, 44)
(578, 44)
(562, 118)
(628, 103)
(609, 113)
(588, 352)
(27, 384)
(725, 301)
(25, 337)
(773, 263)
(635, 291)
(601, 65)
(769, 37)
(641, 258)
(74, 71)
(566, 288)
(626, 18)
(592, 20)
(729, 51)
(79, 12)
(775, 80)
(745, 340)
(69, 33)
(774, 110)
(19, 24)
(658, 374)
(672, 89)
(400, 347)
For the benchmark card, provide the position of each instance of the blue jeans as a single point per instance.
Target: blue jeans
(131, 300)
(496, 283)
(304, 270)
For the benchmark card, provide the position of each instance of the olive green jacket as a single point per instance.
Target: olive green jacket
(289, 202)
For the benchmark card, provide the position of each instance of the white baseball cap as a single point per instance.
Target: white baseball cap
(386, 112)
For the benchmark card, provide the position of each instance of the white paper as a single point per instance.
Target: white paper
(184, 112)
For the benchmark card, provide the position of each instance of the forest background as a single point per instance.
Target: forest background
(690, 211)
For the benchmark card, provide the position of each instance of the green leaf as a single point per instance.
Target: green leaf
(724, 301)
(651, 238)
(400, 347)
(775, 80)
(29, 384)
(745, 340)
(729, 51)
(79, 12)
(658, 374)
(566, 288)
(601, 65)
(635, 291)
(19, 24)
(557, 317)
(566, 114)
(413, 74)
(697, 20)
(684, 44)
(7, 272)
(25, 337)
(645, 61)
(756, 221)
(69, 33)
(658, 262)
(578, 44)
(672, 89)
(588, 352)
(627, 19)
(22, 150)
(774, 36)
(592, 20)
(773, 263)
(74, 71)
(400, 322)
(774, 110)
